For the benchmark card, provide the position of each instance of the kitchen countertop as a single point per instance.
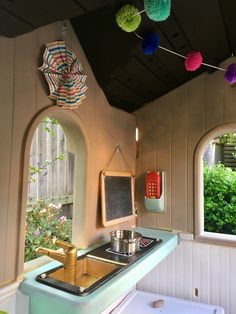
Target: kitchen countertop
(48, 300)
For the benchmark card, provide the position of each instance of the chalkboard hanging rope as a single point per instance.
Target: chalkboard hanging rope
(117, 150)
(124, 159)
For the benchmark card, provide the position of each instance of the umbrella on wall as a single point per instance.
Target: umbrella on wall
(64, 75)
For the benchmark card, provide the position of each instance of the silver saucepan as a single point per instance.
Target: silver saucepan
(125, 241)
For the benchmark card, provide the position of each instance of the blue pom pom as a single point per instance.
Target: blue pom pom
(157, 10)
(150, 43)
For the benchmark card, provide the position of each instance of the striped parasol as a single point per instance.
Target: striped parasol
(64, 75)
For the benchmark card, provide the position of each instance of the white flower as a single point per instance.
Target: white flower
(58, 206)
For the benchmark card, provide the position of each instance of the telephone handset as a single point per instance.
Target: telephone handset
(153, 184)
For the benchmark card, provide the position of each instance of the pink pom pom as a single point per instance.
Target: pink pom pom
(193, 61)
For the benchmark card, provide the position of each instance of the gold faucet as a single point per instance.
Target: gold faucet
(68, 258)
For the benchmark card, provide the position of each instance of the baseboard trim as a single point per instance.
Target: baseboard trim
(8, 290)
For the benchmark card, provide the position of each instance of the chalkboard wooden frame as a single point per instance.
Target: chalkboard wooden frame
(117, 197)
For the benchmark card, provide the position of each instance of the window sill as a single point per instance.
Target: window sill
(36, 263)
(217, 238)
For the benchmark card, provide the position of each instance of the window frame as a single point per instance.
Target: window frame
(200, 234)
(77, 141)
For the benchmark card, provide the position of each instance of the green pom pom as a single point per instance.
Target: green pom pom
(128, 18)
(157, 10)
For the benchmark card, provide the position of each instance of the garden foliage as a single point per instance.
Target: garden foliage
(45, 223)
(219, 199)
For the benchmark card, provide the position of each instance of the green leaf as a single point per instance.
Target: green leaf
(219, 199)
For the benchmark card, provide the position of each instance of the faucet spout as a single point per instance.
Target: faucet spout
(61, 257)
(68, 257)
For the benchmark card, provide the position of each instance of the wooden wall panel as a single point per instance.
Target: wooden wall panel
(205, 273)
(196, 270)
(192, 265)
(6, 114)
(139, 180)
(179, 103)
(215, 280)
(44, 35)
(200, 105)
(229, 104)
(214, 100)
(195, 129)
(148, 153)
(193, 109)
(24, 94)
(187, 254)
(232, 288)
(163, 144)
(24, 109)
(171, 262)
(179, 273)
(225, 278)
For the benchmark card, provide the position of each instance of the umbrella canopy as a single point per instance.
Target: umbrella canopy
(64, 75)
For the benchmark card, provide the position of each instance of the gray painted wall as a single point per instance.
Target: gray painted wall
(24, 94)
(170, 128)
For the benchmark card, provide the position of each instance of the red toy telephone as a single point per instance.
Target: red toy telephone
(153, 184)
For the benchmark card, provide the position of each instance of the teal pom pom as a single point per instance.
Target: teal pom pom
(128, 18)
(157, 10)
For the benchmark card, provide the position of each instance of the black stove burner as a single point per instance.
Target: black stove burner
(104, 252)
(144, 242)
(109, 250)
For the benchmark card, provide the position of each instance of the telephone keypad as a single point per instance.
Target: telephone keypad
(152, 187)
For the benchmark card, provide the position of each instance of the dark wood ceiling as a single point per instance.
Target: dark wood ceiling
(128, 77)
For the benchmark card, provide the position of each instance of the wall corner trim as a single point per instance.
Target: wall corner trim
(8, 290)
(186, 236)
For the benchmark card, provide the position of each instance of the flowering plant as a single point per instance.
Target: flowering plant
(45, 223)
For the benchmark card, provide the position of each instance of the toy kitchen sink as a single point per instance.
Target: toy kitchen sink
(128, 270)
(94, 268)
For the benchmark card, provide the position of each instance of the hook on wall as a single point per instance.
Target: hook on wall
(63, 30)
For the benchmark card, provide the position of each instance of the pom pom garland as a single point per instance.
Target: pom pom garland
(230, 74)
(193, 60)
(128, 18)
(150, 43)
(157, 10)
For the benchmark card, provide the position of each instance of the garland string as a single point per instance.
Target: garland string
(182, 56)
(140, 12)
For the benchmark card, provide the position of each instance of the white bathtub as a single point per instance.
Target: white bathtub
(139, 302)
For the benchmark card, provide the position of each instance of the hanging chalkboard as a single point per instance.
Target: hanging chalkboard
(117, 197)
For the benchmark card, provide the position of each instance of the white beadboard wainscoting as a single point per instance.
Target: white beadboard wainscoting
(209, 268)
(12, 301)
(8, 298)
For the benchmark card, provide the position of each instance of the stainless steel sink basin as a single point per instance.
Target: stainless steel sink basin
(89, 274)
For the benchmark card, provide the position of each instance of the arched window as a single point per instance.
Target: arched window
(215, 186)
(76, 138)
(50, 188)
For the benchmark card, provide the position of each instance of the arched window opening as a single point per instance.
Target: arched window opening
(215, 186)
(50, 188)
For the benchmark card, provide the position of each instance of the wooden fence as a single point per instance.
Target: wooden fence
(221, 153)
(230, 155)
(51, 172)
